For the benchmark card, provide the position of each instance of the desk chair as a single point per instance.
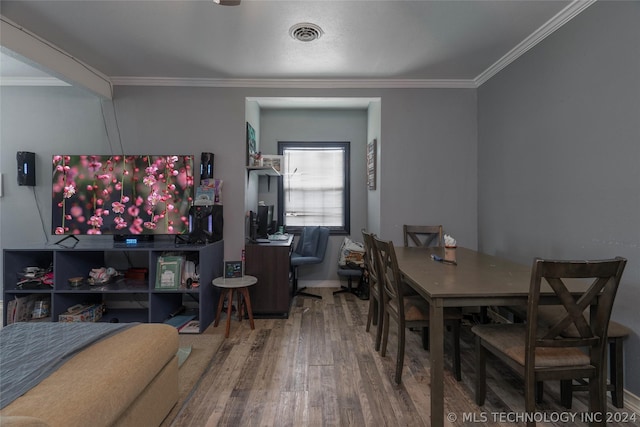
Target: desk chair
(423, 235)
(350, 274)
(350, 265)
(310, 249)
(542, 353)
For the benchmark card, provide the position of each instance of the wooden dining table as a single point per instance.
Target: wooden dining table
(476, 280)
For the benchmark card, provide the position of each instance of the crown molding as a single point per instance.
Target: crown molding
(32, 81)
(42, 54)
(561, 18)
(296, 83)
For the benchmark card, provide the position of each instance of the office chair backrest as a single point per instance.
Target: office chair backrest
(313, 242)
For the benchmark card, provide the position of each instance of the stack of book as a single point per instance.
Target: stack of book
(185, 323)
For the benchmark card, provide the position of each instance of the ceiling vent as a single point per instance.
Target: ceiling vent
(305, 32)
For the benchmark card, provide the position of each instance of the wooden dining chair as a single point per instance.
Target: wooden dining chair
(408, 311)
(543, 353)
(423, 235)
(616, 334)
(374, 314)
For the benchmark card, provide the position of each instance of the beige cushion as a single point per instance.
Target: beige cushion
(510, 338)
(22, 421)
(97, 385)
(416, 308)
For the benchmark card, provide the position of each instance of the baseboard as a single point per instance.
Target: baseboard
(318, 283)
(631, 402)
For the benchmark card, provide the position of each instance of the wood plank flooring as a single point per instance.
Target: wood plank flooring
(319, 368)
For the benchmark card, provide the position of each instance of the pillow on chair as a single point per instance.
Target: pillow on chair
(310, 240)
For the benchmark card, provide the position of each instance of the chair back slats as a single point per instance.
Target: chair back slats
(368, 254)
(369, 259)
(388, 273)
(423, 235)
(376, 294)
(575, 311)
(599, 296)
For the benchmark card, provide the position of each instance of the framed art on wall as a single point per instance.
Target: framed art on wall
(251, 144)
(371, 164)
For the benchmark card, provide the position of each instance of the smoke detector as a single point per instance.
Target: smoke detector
(305, 32)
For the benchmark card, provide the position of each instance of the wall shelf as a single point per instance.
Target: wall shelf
(268, 171)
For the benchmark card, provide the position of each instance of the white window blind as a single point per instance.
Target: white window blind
(315, 184)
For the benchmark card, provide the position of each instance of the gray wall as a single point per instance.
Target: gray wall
(373, 196)
(428, 170)
(559, 150)
(433, 123)
(60, 120)
(321, 125)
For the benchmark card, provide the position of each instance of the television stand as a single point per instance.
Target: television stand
(180, 240)
(128, 297)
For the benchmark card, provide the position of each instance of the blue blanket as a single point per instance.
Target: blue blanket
(31, 351)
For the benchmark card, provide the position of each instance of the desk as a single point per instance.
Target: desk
(270, 263)
(242, 285)
(478, 280)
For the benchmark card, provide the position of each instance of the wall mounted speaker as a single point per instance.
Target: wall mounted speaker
(26, 168)
(206, 166)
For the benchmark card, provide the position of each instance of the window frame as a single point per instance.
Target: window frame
(346, 146)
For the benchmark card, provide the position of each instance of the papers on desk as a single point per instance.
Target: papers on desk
(278, 237)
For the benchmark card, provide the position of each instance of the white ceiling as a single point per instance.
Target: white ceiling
(393, 42)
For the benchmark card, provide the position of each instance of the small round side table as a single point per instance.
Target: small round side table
(228, 285)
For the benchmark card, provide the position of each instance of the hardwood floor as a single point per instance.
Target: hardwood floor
(319, 368)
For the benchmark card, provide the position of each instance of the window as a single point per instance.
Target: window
(315, 185)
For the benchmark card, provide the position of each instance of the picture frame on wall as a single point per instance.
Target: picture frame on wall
(371, 165)
(251, 144)
(273, 160)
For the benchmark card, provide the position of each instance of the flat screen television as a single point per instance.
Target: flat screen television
(121, 194)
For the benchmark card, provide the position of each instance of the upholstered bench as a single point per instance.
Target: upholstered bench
(616, 334)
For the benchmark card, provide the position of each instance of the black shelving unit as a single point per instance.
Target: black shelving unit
(144, 303)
